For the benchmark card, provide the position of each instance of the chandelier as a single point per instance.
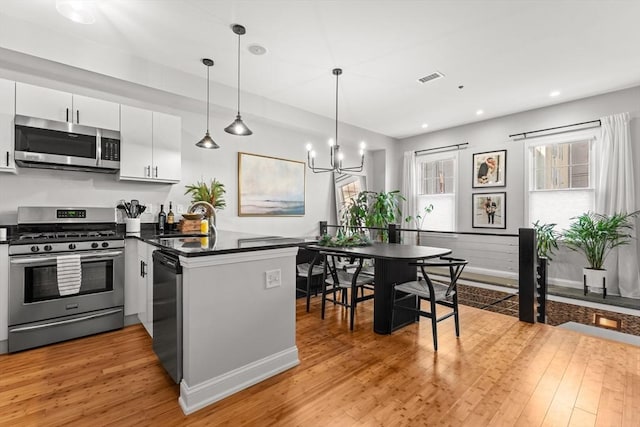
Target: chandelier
(335, 155)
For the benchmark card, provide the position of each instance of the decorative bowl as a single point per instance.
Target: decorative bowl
(192, 216)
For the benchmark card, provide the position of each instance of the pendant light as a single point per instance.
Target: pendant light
(238, 127)
(207, 141)
(335, 155)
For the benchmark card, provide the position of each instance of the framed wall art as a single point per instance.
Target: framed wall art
(270, 186)
(490, 169)
(489, 210)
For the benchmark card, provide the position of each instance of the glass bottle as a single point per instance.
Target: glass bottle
(170, 219)
(162, 219)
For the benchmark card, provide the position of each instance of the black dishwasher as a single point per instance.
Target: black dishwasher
(167, 312)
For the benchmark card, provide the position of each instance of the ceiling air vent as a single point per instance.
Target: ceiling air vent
(431, 77)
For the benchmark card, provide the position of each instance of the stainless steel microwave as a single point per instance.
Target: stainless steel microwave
(50, 144)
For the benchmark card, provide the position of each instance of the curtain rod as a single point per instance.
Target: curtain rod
(524, 134)
(445, 148)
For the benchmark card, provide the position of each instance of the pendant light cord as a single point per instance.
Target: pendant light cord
(238, 74)
(337, 75)
(208, 98)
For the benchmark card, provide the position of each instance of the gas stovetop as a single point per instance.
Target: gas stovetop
(55, 230)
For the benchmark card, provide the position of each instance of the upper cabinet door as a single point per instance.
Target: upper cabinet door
(167, 142)
(43, 103)
(136, 133)
(7, 114)
(96, 113)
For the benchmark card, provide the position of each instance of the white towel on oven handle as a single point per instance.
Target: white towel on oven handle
(69, 274)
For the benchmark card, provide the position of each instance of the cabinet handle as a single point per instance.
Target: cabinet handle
(143, 269)
(78, 116)
(156, 168)
(67, 119)
(147, 171)
(7, 159)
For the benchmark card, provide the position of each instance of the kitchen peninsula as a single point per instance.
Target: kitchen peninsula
(238, 312)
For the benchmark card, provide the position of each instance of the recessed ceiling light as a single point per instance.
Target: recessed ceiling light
(479, 112)
(554, 93)
(80, 11)
(425, 125)
(256, 49)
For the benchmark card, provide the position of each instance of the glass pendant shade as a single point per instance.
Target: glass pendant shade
(207, 141)
(238, 127)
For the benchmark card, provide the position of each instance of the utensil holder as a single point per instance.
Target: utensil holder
(132, 225)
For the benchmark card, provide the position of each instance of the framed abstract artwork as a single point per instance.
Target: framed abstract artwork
(270, 186)
(490, 169)
(489, 210)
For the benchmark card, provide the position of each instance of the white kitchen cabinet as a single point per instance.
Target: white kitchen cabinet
(167, 140)
(145, 286)
(96, 112)
(7, 129)
(4, 292)
(150, 144)
(131, 274)
(136, 131)
(51, 104)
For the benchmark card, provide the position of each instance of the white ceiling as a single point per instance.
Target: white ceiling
(509, 55)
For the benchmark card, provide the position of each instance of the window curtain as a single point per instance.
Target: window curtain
(409, 192)
(615, 193)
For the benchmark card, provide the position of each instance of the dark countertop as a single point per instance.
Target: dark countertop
(224, 242)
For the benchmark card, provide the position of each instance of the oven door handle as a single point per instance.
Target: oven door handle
(65, 322)
(87, 257)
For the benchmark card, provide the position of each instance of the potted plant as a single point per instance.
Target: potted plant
(211, 193)
(384, 209)
(595, 235)
(209, 196)
(418, 220)
(354, 214)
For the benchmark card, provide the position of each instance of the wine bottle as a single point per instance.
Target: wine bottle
(170, 219)
(162, 219)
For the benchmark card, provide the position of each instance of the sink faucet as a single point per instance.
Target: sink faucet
(210, 213)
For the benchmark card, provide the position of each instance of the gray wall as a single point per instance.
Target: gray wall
(277, 136)
(493, 134)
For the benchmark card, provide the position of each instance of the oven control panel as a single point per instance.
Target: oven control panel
(71, 213)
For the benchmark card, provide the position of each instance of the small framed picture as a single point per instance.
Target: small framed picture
(489, 210)
(490, 169)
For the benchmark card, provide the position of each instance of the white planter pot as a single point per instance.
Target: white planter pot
(595, 281)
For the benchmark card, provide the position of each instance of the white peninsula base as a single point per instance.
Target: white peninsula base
(236, 330)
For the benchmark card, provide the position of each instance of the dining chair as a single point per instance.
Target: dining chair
(309, 270)
(341, 287)
(445, 294)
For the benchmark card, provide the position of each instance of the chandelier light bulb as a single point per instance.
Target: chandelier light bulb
(331, 142)
(340, 156)
(363, 145)
(313, 154)
(309, 147)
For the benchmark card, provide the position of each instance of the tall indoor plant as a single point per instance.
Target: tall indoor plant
(384, 209)
(595, 235)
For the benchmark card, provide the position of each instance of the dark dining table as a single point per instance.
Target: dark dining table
(391, 265)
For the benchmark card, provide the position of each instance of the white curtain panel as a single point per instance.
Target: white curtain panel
(615, 193)
(410, 193)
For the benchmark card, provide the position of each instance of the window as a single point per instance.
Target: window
(561, 177)
(436, 175)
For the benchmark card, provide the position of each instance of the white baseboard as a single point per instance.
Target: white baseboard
(495, 273)
(193, 398)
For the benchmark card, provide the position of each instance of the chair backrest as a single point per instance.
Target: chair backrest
(455, 265)
(331, 268)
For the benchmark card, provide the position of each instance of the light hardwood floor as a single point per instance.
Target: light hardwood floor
(501, 372)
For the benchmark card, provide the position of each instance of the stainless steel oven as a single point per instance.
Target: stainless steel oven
(39, 313)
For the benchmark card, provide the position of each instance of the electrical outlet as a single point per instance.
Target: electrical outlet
(273, 278)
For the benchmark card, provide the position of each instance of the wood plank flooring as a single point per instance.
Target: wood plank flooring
(501, 372)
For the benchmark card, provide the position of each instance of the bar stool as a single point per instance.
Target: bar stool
(436, 293)
(338, 281)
